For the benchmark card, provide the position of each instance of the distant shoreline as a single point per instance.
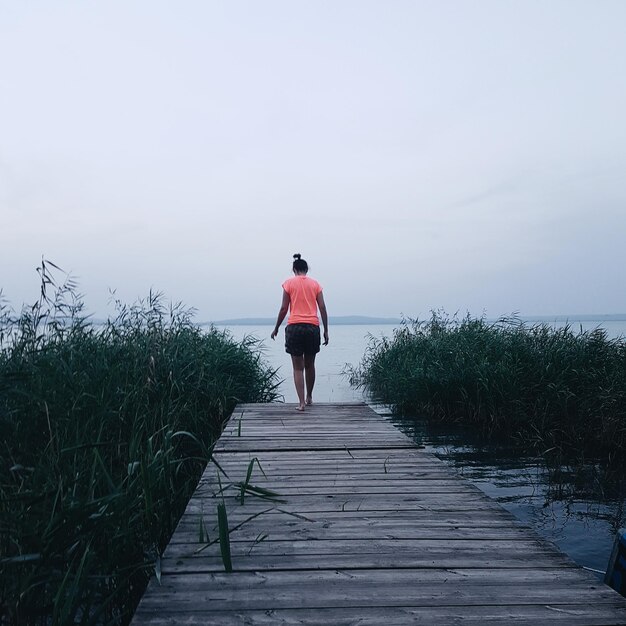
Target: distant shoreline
(363, 320)
(337, 321)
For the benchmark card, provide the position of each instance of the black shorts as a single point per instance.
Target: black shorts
(302, 339)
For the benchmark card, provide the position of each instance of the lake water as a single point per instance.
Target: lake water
(579, 511)
(347, 345)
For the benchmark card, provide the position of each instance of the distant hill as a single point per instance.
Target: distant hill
(598, 317)
(334, 320)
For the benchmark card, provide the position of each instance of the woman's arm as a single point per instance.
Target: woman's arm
(284, 307)
(322, 306)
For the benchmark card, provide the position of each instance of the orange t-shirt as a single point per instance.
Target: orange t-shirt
(302, 292)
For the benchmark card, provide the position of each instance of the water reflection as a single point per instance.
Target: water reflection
(579, 507)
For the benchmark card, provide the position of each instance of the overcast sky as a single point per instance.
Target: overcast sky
(469, 155)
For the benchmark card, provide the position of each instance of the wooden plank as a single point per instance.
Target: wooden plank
(324, 476)
(377, 488)
(388, 482)
(380, 467)
(403, 457)
(521, 615)
(188, 534)
(275, 581)
(367, 529)
(406, 453)
(354, 518)
(364, 505)
(410, 527)
(426, 559)
(275, 519)
(368, 595)
(328, 457)
(384, 545)
(310, 445)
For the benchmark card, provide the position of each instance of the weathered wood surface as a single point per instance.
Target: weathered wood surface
(365, 529)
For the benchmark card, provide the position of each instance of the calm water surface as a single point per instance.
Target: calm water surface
(579, 510)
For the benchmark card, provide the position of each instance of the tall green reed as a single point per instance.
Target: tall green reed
(556, 387)
(104, 430)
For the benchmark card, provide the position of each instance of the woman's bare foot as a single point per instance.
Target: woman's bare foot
(309, 401)
(300, 408)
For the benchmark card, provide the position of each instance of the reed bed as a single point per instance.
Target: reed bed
(563, 390)
(104, 430)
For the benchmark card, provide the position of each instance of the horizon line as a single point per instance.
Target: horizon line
(372, 319)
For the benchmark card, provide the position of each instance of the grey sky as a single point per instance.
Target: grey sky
(465, 155)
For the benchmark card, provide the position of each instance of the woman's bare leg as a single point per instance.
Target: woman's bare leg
(309, 370)
(298, 379)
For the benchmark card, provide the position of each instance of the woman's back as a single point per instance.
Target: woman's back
(303, 292)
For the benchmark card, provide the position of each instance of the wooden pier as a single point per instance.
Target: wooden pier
(367, 530)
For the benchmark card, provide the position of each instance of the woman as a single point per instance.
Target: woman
(302, 296)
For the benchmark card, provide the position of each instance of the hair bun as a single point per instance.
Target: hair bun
(297, 256)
